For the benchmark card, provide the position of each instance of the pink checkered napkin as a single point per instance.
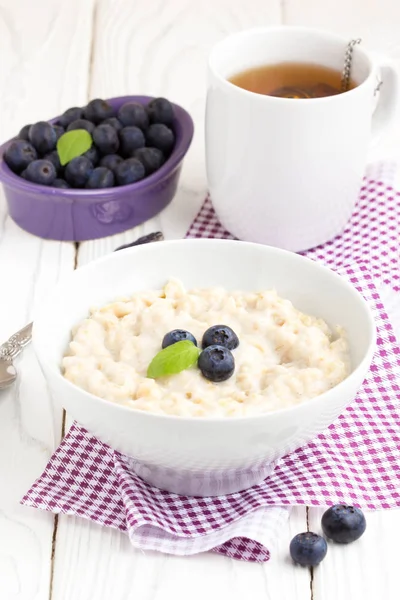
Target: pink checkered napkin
(357, 460)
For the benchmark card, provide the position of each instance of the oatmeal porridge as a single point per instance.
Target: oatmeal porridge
(284, 357)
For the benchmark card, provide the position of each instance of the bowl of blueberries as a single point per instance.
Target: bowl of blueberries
(96, 170)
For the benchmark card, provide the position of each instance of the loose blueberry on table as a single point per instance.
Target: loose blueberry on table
(343, 524)
(124, 146)
(308, 549)
(340, 523)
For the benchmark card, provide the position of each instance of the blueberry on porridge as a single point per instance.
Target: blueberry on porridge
(177, 335)
(284, 357)
(216, 363)
(221, 335)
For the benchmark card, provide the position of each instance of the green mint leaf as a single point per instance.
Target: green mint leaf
(72, 144)
(173, 359)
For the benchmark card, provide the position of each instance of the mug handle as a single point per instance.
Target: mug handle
(388, 88)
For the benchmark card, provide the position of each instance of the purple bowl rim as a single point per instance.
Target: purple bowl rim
(7, 177)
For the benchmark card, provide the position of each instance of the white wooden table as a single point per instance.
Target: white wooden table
(55, 54)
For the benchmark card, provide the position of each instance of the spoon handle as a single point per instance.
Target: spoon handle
(12, 347)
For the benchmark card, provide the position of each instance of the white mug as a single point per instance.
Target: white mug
(287, 172)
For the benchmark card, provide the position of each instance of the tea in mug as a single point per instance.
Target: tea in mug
(291, 80)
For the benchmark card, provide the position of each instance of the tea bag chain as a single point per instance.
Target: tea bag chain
(348, 57)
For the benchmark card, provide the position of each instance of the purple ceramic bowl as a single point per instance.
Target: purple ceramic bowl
(77, 215)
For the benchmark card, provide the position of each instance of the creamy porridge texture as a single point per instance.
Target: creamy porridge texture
(284, 357)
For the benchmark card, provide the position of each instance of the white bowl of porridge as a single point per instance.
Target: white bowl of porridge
(205, 361)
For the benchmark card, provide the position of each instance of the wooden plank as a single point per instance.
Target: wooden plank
(44, 64)
(102, 564)
(45, 55)
(160, 48)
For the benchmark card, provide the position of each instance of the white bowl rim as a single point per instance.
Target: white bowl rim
(325, 397)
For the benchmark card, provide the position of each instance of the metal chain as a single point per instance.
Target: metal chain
(348, 57)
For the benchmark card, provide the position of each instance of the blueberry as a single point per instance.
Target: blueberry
(161, 137)
(60, 183)
(97, 110)
(177, 335)
(135, 114)
(93, 155)
(222, 335)
(151, 158)
(59, 131)
(129, 171)
(41, 171)
(100, 177)
(343, 524)
(43, 137)
(19, 154)
(81, 124)
(216, 363)
(131, 138)
(78, 171)
(308, 549)
(114, 122)
(24, 133)
(70, 115)
(106, 139)
(54, 159)
(160, 111)
(111, 161)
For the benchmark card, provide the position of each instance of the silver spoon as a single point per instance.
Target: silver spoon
(8, 374)
(8, 351)
(12, 347)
